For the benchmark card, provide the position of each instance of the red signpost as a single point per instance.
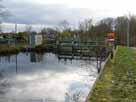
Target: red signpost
(111, 40)
(111, 37)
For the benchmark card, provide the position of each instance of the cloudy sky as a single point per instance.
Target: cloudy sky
(51, 12)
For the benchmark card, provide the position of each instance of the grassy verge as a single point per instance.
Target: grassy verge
(118, 80)
(8, 50)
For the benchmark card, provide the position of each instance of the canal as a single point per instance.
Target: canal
(32, 77)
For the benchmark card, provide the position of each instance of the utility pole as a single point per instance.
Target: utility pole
(15, 28)
(15, 32)
(128, 31)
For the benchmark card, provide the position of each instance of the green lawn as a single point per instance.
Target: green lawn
(8, 50)
(118, 80)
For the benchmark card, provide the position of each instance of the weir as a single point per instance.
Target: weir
(94, 50)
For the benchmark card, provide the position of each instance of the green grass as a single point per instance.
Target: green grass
(8, 50)
(118, 80)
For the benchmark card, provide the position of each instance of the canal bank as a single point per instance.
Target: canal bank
(9, 50)
(6, 50)
(118, 79)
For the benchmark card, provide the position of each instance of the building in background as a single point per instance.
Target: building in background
(35, 39)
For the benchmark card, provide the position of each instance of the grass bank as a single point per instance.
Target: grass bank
(117, 82)
(8, 50)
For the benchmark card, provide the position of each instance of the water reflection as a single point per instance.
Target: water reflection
(36, 57)
(4, 86)
(50, 80)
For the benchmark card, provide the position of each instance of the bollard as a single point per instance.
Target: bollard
(112, 54)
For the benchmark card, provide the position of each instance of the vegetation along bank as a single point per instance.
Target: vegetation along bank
(117, 82)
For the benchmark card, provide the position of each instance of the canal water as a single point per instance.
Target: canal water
(32, 77)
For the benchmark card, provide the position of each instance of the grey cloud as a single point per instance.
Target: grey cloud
(30, 13)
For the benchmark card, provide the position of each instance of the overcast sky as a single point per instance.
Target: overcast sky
(51, 12)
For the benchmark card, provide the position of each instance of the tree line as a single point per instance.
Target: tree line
(120, 25)
(88, 31)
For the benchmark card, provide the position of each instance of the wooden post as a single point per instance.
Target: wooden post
(72, 49)
(58, 47)
(112, 54)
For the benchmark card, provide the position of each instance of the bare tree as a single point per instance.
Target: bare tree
(64, 25)
(85, 25)
(85, 28)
